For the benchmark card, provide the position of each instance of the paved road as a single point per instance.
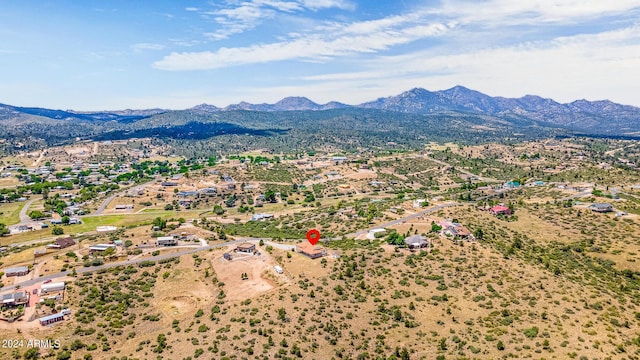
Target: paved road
(24, 217)
(578, 195)
(82, 270)
(403, 219)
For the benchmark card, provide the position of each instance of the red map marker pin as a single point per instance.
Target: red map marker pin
(313, 236)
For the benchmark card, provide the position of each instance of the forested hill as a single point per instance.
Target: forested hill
(408, 119)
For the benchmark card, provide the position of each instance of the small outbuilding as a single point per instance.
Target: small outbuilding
(51, 287)
(50, 319)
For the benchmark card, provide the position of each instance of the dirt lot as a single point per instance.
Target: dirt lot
(259, 269)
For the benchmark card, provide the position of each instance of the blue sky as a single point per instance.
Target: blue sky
(117, 54)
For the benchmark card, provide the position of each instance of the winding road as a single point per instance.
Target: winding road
(24, 217)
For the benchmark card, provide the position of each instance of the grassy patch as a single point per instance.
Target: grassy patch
(10, 212)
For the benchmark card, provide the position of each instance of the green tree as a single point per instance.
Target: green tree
(57, 230)
(270, 196)
(31, 354)
(218, 210)
(36, 214)
(160, 223)
(65, 220)
(4, 230)
(282, 314)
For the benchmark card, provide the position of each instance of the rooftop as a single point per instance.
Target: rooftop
(307, 248)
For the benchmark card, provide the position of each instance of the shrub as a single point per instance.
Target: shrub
(531, 332)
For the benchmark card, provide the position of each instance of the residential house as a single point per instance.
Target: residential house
(211, 191)
(166, 241)
(310, 251)
(601, 208)
(500, 210)
(15, 299)
(185, 194)
(457, 232)
(258, 217)
(185, 202)
(101, 248)
(248, 248)
(418, 203)
(64, 242)
(417, 242)
(16, 271)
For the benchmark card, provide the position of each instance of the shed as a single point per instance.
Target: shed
(51, 287)
(278, 269)
(50, 319)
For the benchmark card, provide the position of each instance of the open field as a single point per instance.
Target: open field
(10, 212)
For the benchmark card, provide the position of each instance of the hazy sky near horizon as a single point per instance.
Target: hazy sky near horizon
(117, 54)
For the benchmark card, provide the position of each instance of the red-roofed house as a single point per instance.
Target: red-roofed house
(500, 210)
(310, 250)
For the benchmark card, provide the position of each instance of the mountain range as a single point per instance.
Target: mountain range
(593, 117)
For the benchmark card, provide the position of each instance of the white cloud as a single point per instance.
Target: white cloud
(565, 68)
(191, 8)
(509, 12)
(146, 46)
(322, 45)
(235, 17)
(477, 44)
(323, 4)
(235, 20)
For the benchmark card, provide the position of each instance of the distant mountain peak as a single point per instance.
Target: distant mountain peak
(295, 103)
(204, 108)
